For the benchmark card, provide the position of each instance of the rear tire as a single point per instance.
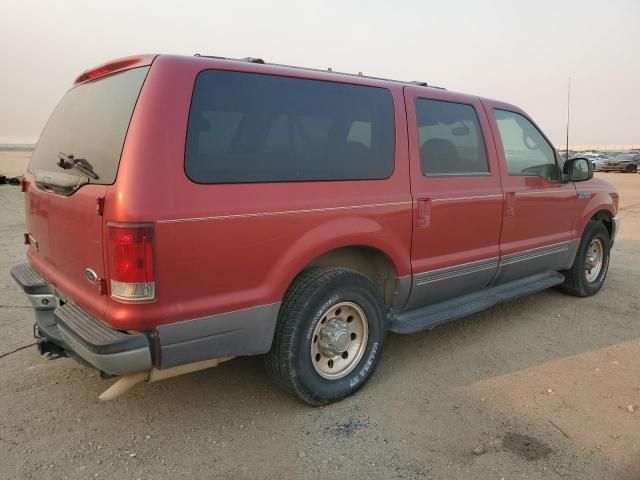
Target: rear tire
(631, 169)
(329, 336)
(590, 267)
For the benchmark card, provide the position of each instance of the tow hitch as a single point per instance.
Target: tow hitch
(47, 347)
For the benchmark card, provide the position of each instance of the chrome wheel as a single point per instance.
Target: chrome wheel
(594, 261)
(339, 340)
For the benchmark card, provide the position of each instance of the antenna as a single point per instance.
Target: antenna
(568, 104)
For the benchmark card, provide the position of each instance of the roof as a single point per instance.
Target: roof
(256, 64)
(253, 64)
(260, 61)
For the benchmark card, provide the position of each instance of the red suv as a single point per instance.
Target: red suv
(184, 210)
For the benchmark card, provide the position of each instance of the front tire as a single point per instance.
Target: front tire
(329, 336)
(590, 267)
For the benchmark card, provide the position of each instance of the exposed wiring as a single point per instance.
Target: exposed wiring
(2, 355)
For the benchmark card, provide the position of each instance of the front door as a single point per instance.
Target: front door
(458, 200)
(539, 208)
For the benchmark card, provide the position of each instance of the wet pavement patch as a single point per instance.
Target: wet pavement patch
(525, 446)
(347, 429)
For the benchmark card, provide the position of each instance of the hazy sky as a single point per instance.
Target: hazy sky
(518, 51)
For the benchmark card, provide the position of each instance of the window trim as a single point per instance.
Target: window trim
(457, 175)
(504, 153)
(394, 130)
(488, 173)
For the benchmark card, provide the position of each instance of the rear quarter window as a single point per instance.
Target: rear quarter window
(250, 128)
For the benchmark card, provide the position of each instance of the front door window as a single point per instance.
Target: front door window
(526, 151)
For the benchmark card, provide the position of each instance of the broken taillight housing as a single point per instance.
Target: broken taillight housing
(130, 257)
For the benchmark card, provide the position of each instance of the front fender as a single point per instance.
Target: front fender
(591, 201)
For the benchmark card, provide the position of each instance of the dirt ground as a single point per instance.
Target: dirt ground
(546, 387)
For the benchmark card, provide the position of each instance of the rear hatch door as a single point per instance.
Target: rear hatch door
(75, 159)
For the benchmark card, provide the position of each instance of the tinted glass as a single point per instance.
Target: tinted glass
(246, 128)
(526, 151)
(450, 138)
(90, 123)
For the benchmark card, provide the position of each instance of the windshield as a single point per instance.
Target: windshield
(83, 139)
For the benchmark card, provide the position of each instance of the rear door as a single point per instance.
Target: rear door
(75, 159)
(457, 196)
(539, 208)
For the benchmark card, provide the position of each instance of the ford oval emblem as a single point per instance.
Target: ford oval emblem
(90, 275)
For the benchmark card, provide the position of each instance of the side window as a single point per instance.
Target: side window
(450, 139)
(249, 128)
(526, 151)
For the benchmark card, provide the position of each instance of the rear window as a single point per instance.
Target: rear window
(248, 128)
(451, 141)
(88, 127)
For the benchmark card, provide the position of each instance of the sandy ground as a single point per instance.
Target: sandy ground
(546, 387)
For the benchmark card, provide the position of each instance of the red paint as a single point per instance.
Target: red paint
(465, 212)
(244, 243)
(69, 236)
(538, 212)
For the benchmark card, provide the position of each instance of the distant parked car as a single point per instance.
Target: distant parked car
(598, 160)
(589, 156)
(626, 162)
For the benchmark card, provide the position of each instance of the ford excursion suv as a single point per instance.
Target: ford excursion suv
(182, 211)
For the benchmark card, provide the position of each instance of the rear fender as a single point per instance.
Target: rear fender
(356, 231)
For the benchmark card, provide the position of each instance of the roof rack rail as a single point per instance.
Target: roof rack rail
(210, 56)
(359, 74)
(253, 60)
(425, 84)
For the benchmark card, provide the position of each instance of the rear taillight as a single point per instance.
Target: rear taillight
(130, 256)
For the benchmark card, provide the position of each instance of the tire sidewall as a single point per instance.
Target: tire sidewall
(351, 287)
(596, 230)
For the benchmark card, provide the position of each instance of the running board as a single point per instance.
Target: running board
(433, 315)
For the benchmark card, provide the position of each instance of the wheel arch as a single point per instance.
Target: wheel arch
(385, 263)
(605, 217)
(601, 208)
(370, 262)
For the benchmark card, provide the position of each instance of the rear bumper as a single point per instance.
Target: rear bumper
(91, 341)
(80, 334)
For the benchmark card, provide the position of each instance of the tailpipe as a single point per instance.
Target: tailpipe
(127, 382)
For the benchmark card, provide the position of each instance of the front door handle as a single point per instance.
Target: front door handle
(423, 215)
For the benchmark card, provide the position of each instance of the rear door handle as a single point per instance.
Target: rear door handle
(423, 216)
(510, 204)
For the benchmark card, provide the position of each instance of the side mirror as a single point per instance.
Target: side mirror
(578, 169)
